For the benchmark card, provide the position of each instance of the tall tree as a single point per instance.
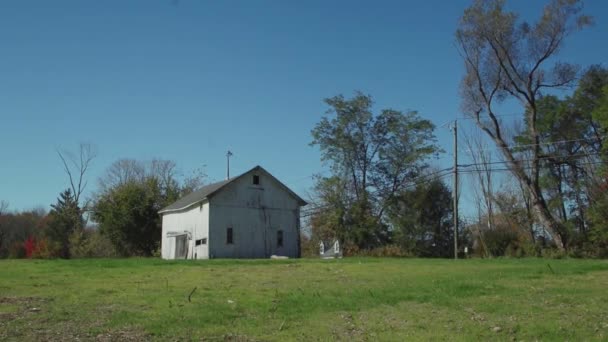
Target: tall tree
(571, 152)
(504, 60)
(422, 220)
(65, 219)
(375, 154)
(76, 166)
(599, 197)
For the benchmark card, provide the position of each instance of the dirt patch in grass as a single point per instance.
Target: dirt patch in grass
(26, 315)
(229, 338)
(125, 334)
(20, 300)
(19, 306)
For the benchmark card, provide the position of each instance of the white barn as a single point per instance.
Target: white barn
(253, 215)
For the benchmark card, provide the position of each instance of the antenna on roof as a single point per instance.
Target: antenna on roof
(228, 155)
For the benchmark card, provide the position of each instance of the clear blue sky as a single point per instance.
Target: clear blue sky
(188, 80)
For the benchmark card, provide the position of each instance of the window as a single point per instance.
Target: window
(229, 236)
(201, 241)
(279, 238)
(256, 180)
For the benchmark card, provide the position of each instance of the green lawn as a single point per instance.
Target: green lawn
(348, 299)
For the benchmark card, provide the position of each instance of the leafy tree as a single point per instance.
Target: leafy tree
(506, 60)
(599, 208)
(572, 143)
(372, 157)
(128, 215)
(600, 112)
(422, 220)
(599, 221)
(132, 193)
(65, 219)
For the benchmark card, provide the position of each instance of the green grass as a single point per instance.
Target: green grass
(348, 299)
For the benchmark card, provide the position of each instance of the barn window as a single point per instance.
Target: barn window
(256, 180)
(279, 238)
(229, 236)
(201, 241)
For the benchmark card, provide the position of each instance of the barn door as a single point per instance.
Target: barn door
(180, 247)
(270, 242)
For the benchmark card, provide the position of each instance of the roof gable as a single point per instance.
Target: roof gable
(208, 191)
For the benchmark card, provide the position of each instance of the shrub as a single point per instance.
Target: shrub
(90, 243)
(45, 250)
(383, 251)
(308, 247)
(16, 250)
(553, 253)
(28, 246)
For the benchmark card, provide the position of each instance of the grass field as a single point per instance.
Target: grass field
(348, 299)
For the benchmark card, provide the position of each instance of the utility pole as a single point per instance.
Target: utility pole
(455, 189)
(228, 155)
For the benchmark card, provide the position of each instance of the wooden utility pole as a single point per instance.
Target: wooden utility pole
(455, 189)
(228, 155)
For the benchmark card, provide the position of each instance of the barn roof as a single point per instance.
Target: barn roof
(195, 196)
(208, 190)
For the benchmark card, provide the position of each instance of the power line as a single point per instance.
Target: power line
(528, 145)
(529, 167)
(561, 158)
(473, 118)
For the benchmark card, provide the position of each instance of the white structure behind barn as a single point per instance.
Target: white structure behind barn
(250, 216)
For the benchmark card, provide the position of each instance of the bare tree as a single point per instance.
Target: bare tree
(76, 166)
(481, 173)
(121, 172)
(506, 60)
(194, 180)
(3, 207)
(165, 172)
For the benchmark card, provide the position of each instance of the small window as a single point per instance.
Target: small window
(201, 242)
(256, 180)
(280, 238)
(229, 236)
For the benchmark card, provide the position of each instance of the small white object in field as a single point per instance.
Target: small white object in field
(278, 257)
(230, 301)
(497, 329)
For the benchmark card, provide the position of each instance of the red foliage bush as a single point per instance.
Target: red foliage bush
(29, 246)
(38, 249)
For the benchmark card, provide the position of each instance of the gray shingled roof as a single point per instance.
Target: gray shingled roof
(195, 196)
(210, 189)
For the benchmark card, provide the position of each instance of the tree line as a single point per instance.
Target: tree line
(538, 177)
(119, 219)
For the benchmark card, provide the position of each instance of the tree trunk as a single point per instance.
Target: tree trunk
(546, 219)
(560, 191)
